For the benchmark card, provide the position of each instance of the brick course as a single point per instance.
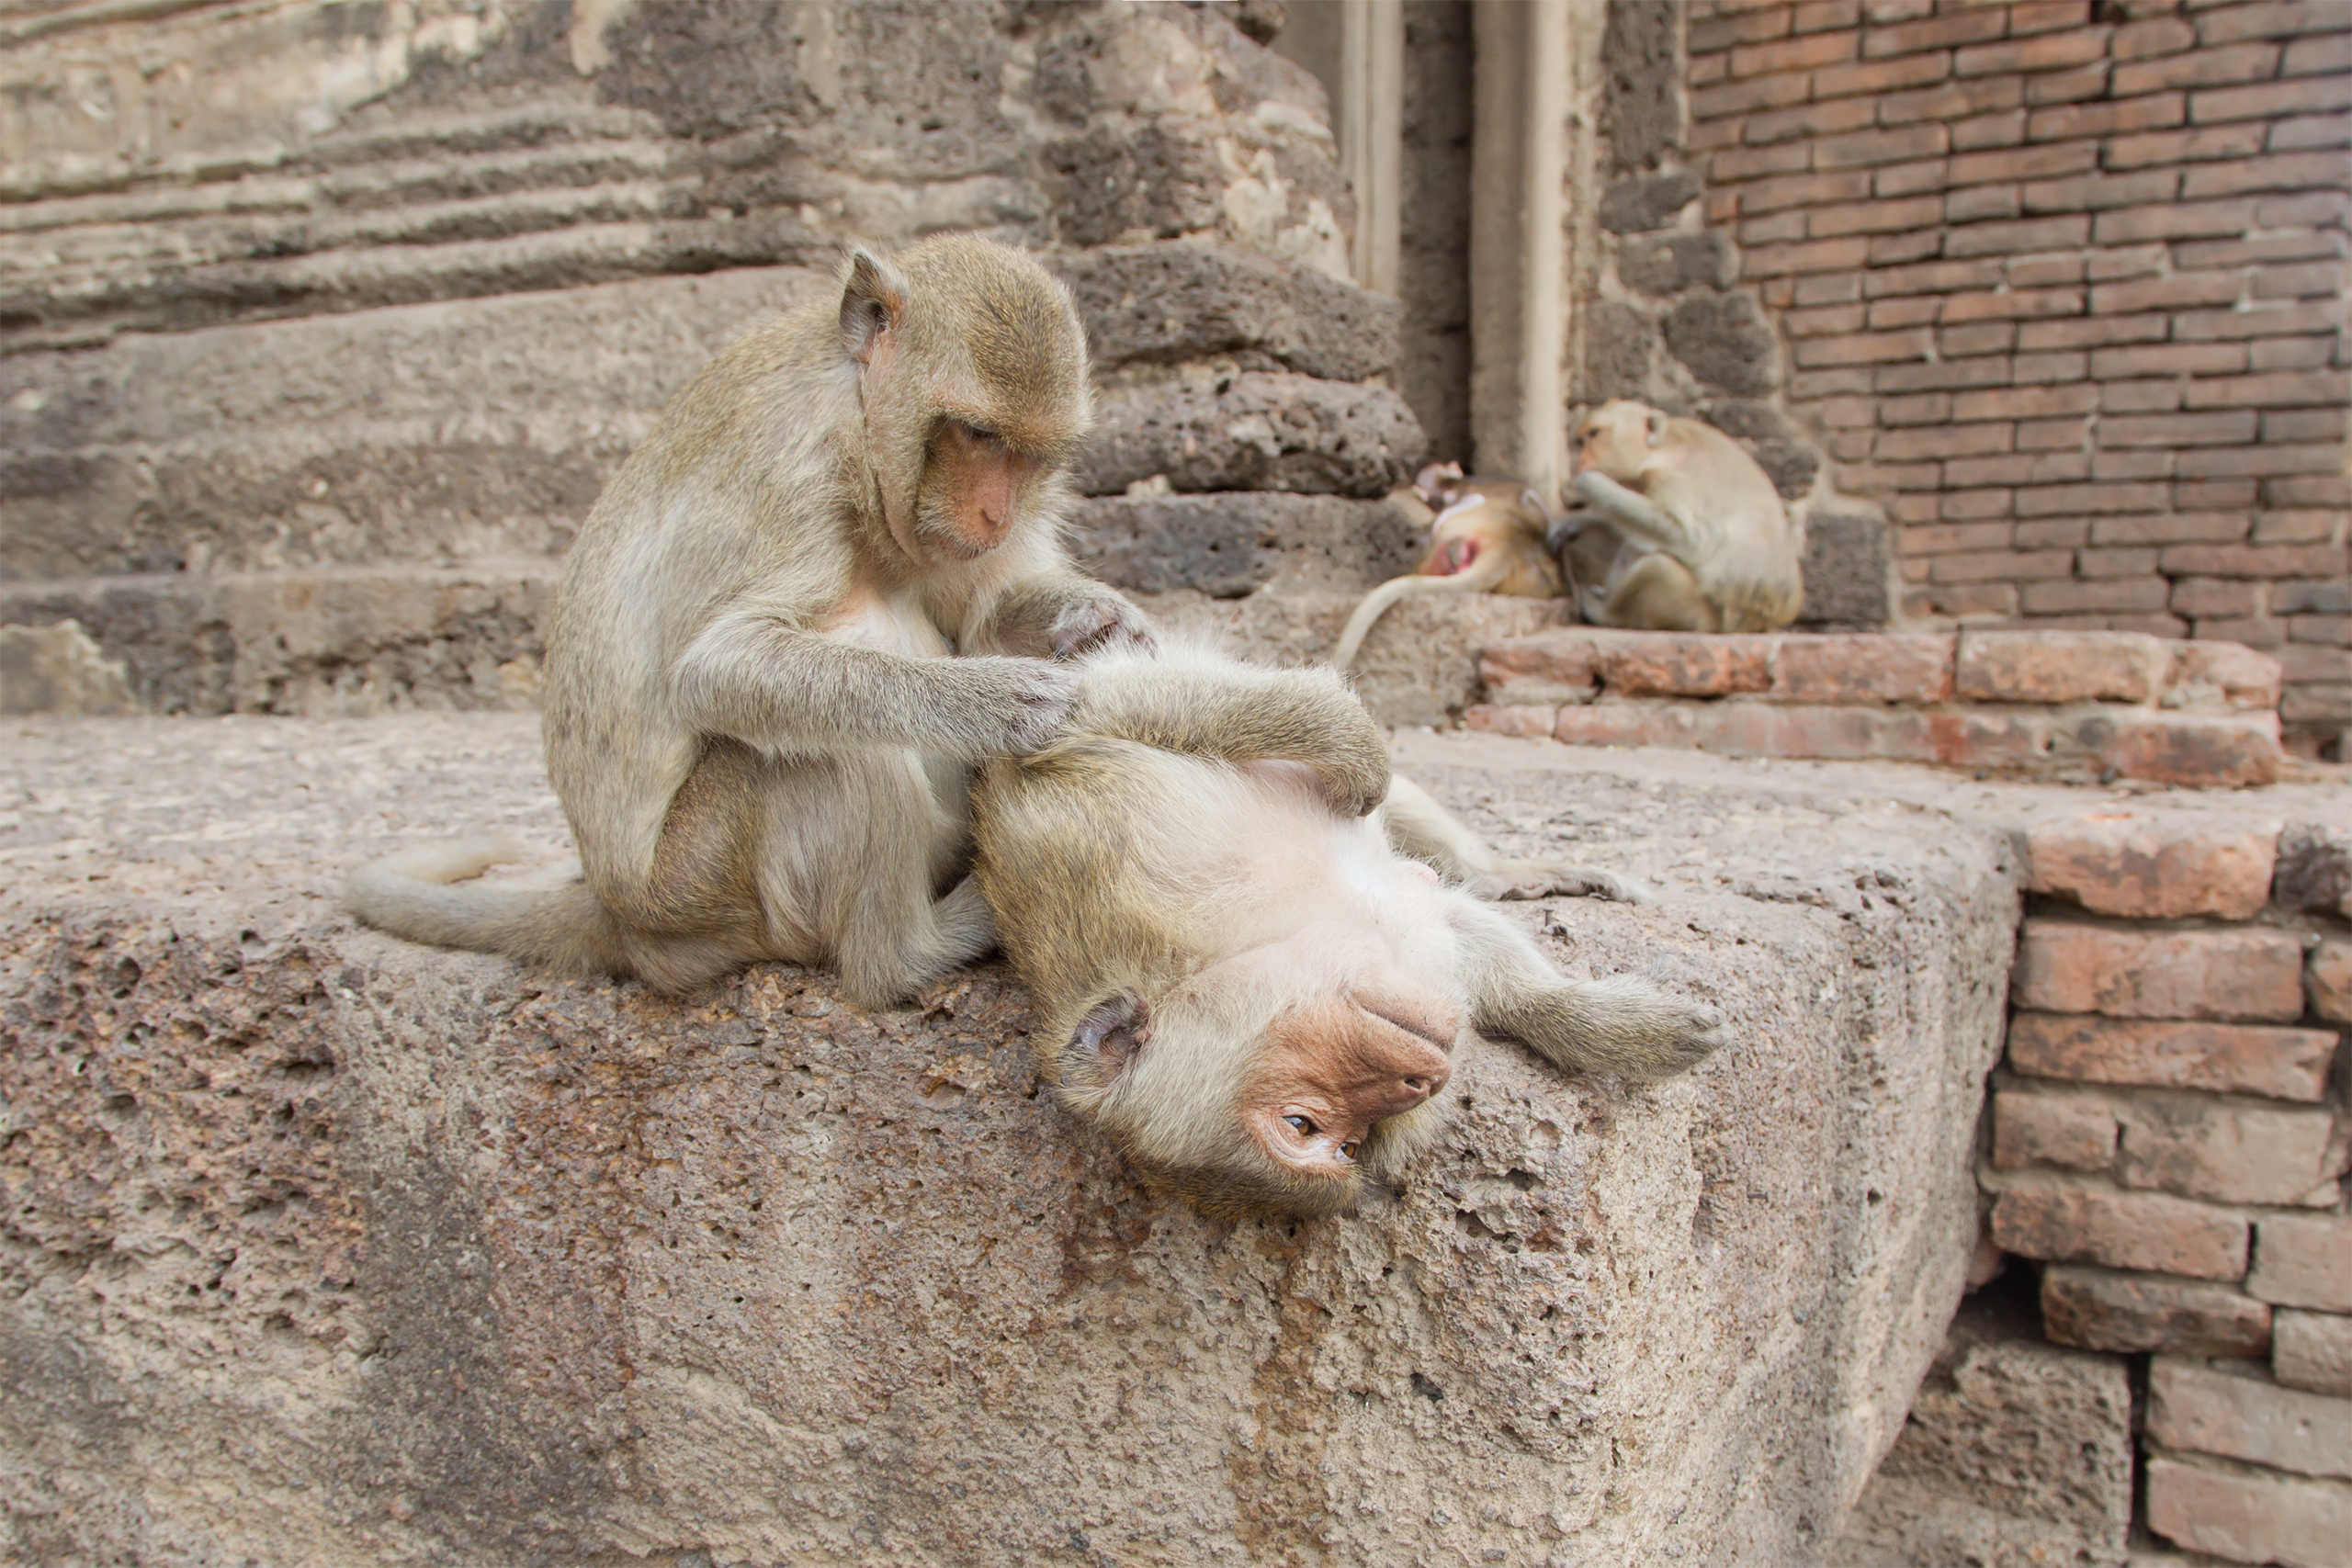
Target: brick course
(2164, 191)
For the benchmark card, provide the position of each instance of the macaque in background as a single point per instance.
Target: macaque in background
(1238, 970)
(752, 718)
(1703, 543)
(1488, 536)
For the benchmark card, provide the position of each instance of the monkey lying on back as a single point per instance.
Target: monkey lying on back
(1234, 972)
(1488, 538)
(1707, 547)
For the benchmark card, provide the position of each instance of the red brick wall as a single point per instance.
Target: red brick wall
(2061, 284)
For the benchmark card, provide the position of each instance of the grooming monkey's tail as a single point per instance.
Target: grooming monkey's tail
(1490, 568)
(409, 895)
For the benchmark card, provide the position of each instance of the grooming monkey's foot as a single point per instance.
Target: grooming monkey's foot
(1540, 879)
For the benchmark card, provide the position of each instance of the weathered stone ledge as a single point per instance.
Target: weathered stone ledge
(319, 1247)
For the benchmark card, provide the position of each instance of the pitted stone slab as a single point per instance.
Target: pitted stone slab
(374, 1253)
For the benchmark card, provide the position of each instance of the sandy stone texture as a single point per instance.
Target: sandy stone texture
(322, 1247)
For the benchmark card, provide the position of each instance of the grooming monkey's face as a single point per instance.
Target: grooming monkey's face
(1288, 1076)
(1616, 439)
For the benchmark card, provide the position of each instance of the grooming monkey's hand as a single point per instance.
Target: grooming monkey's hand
(1005, 707)
(1092, 626)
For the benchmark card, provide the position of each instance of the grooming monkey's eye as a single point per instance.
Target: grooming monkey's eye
(1301, 1125)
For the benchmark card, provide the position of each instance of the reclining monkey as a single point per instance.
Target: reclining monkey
(1488, 538)
(1707, 544)
(1234, 972)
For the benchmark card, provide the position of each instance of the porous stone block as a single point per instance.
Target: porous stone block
(2060, 667)
(1913, 668)
(292, 444)
(1724, 340)
(2239, 1414)
(57, 668)
(2303, 1260)
(2281, 1063)
(1647, 201)
(2015, 1451)
(2314, 867)
(2149, 866)
(327, 1248)
(1186, 299)
(2076, 1132)
(2071, 966)
(2313, 1350)
(1667, 263)
(1846, 566)
(2101, 1309)
(1228, 545)
(1257, 431)
(2225, 1150)
(2250, 1515)
(2222, 674)
(2327, 980)
(2059, 1222)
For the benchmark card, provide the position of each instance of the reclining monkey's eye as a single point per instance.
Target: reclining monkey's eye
(1301, 1125)
(1348, 1151)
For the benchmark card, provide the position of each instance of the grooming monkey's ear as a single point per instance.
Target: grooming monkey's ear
(1105, 1041)
(873, 303)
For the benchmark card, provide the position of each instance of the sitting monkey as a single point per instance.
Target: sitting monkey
(1236, 970)
(1706, 545)
(1488, 538)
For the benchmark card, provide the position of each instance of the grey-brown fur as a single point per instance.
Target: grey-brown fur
(1152, 847)
(751, 717)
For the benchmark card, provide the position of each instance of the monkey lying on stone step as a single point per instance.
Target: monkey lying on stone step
(1696, 539)
(1488, 536)
(1240, 971)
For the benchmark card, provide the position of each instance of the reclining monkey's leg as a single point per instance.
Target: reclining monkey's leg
(1417, 826)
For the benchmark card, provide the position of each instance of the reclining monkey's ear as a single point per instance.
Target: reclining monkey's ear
(1656, 422)
(1105, 1041)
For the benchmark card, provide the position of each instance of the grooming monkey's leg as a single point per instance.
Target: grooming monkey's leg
(1621, 1024)
(1420, 826)
(1658, 593)
(847, 868)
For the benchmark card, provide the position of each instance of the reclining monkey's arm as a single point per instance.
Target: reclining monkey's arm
(1637, 514)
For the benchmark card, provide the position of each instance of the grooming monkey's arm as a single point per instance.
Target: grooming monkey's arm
(1635, 513)
(1060, 615)
(752, 677)
(1242, 716)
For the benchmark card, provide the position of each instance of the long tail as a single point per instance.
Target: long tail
(409, 895)
(1490, 568)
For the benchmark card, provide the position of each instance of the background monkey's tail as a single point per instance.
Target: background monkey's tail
(1490, 568)
(409, 895)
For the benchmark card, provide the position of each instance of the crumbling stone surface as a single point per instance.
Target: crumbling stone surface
(57, 668)
(1846, 565)
(1227, 546)
(2015, 1453)
(1725, 342)
(319, 1246)
(1651, 201)
(1252, 431)
(1668, 264)
(1188, 300)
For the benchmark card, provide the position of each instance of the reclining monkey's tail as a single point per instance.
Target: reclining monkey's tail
(1489, 569)
(409, 895)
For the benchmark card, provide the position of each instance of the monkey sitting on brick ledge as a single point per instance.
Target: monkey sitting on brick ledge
(1696, 539)
(1487, 535)
(1237, 971)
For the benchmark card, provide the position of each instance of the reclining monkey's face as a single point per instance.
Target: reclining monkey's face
(1287, 1078)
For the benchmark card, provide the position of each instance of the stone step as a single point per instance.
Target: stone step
(416, 1257)
(2076, 705)
(477, 428)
